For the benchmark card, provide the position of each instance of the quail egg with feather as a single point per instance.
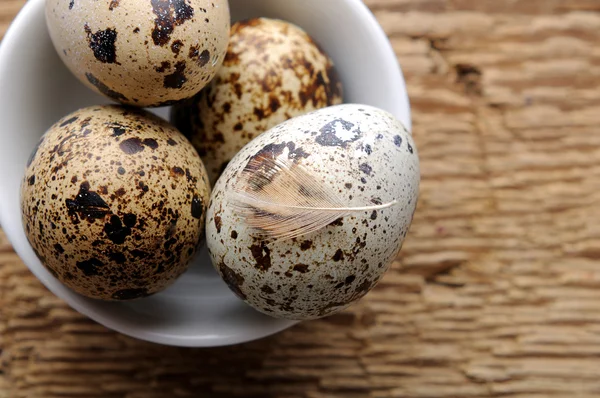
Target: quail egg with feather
(307, 217)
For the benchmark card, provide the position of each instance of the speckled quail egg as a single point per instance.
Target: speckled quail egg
(361, 154)
(113, 202)
(273, 71)
(143, 53)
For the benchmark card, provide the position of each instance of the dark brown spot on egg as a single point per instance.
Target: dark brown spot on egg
(218, 137)
(104, 89)
(150, 143)
(59, 249)
(177, 172)
(90, 267)
(397, 140)
(189, 177)
(328, 136)
(339, 255)
(117, 257)
(259, 113)
(169, 13)
(177, 79)
(234, 234)
(139, 254)
(31, 180)
(171, 142)
(274, 104)
(366, 168)
(262, 256)
(307, 244)
(71, 4)
(116, 231)
(237, 87)
(197, 207)
(102, 44)
(131, 146)
(302, 268)
(145, 188)
(410, 149)
(176, 47)
(121, 170)
(218, 223)
(233, 280)
(136, 30)
(204, 58)
(231, 58)
(170, 243)
(267, 289)
(238, 127)
(130, 294)
(113, 4)
(130, 220)
(87, 204)
(163, 66)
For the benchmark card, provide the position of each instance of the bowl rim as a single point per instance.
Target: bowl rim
(20, 22)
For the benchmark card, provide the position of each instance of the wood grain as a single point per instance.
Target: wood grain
(497, 290)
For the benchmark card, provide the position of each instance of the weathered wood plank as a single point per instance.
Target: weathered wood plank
(496, 292)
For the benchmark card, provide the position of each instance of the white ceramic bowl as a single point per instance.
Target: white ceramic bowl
(37, 90)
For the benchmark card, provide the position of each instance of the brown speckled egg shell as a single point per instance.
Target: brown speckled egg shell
(365, 155)
(113, 202)
(143, 53)
(273, 71)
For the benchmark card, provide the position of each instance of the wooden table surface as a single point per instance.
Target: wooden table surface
(497, 290)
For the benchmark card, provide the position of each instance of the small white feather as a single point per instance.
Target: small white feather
(283, 200)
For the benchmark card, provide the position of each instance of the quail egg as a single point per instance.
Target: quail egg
(113, 202)
(142, 53)
(360, 155)
(273, 71)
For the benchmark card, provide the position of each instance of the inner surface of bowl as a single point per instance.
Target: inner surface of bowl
(37, 90)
